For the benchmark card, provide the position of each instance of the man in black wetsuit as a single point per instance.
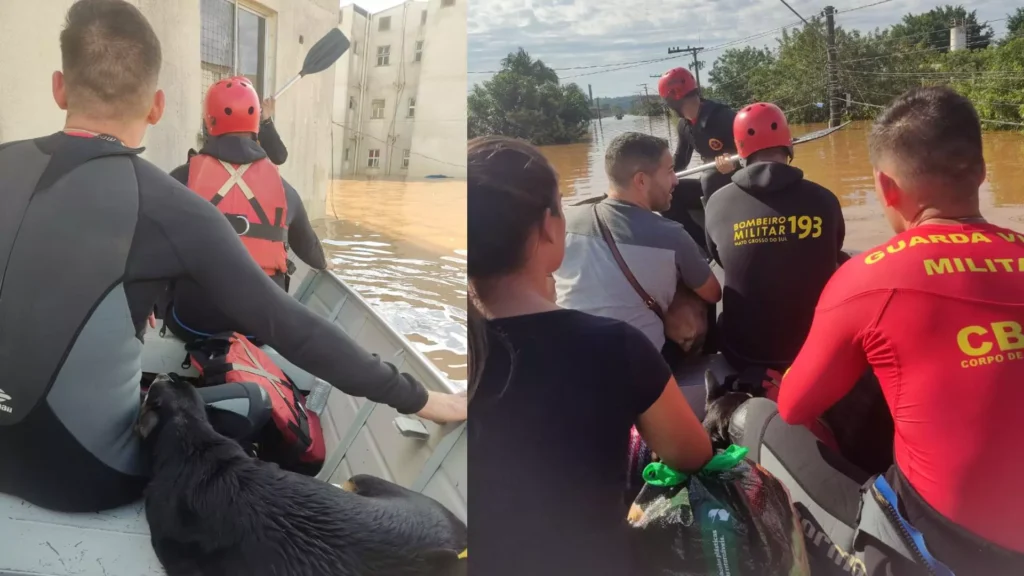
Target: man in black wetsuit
(778, 238)
(90, 235)
(705, 126)
(232, 118)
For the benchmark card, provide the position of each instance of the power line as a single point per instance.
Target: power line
(1003, 122)
(633, 63)
(854, 9)
(998, 102)
(804, 20)
(636, 62)
(923, 50)
(411, 153)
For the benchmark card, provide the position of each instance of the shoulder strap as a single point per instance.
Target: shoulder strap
(649, 301)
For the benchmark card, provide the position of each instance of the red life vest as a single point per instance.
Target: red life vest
(253, 199)
(298, 441)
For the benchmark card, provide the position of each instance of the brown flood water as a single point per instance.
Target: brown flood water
(402, 246)
(838, 162)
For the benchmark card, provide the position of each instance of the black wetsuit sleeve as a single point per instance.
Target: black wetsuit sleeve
(182, 235)
(271, 142)
(840, 230)
(301, 237)
(181, 174)
(684, 147)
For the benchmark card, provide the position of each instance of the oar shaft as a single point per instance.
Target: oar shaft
(290, 83)
(705, 167)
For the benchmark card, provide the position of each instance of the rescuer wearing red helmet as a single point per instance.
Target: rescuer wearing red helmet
(233, 172)
(704, 126)
(778, 238)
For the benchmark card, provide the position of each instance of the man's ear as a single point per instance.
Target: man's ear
(148, 419)
(890, 189)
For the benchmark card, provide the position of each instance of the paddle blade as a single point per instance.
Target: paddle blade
(325, 52)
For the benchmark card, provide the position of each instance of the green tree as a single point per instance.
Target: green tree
(931, 29)
(525, 100)
(1015, 24)
(739, 74)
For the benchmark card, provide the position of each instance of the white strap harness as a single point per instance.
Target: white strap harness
(235, 179)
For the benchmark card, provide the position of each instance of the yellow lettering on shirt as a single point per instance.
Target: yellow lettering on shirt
(1005, 339)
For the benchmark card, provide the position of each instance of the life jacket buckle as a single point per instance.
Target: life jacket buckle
(234, 219)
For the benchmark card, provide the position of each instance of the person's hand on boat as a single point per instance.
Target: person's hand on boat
(267, 110)
(724, 164)
(442, 408)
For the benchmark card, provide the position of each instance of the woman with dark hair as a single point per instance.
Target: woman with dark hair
(554, 392)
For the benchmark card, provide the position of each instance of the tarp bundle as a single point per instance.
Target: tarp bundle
(731, 518)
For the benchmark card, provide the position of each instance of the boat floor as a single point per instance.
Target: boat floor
(40, 542)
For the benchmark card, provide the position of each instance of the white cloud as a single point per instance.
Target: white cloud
(589, 33)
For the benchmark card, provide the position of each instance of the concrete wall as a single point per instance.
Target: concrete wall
(439, 137)
(29, 52)
(348, 79)
(437, 83)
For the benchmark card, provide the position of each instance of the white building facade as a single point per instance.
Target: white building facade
(399, 108)
(202, 41)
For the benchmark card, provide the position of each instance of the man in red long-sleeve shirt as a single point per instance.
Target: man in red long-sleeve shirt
(937, 313)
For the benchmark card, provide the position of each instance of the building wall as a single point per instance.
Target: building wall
(439, 137)
(29, 52)
(439, 117)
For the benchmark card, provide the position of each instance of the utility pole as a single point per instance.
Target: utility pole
(692, 50)
(833, 67)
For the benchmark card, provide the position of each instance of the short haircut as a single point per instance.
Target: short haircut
(110, 57)
(929, 133)
(630, 153)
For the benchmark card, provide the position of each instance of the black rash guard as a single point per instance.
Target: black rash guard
(778, 238)
(192, 309)
(90, 237)
(270, 140)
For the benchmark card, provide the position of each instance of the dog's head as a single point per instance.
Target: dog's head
(168, 397)
(722, 400)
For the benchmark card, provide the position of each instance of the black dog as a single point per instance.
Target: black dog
(214, 511)
(723, 400)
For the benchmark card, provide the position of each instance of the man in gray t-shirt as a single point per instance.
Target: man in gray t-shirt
(657, 250)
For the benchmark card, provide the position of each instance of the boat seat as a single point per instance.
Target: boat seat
(41, 542)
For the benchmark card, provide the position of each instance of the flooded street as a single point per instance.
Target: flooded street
(402, 246)
(839, 162)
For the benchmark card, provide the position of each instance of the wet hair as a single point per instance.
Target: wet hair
(110, 57)
(511, 187)
(930, 132)
(633, 152)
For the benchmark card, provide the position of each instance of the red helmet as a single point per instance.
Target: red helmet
(232, 105)
(760, 126)
(676, 84)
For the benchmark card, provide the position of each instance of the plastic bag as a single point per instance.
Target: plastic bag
(732, 518)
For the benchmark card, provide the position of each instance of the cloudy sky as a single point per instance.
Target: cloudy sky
(600, 42)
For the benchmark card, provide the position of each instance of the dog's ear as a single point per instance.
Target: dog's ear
(148, 419)
(442, 562)
(713, 390)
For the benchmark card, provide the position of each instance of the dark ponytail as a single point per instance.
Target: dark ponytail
(511, 186)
